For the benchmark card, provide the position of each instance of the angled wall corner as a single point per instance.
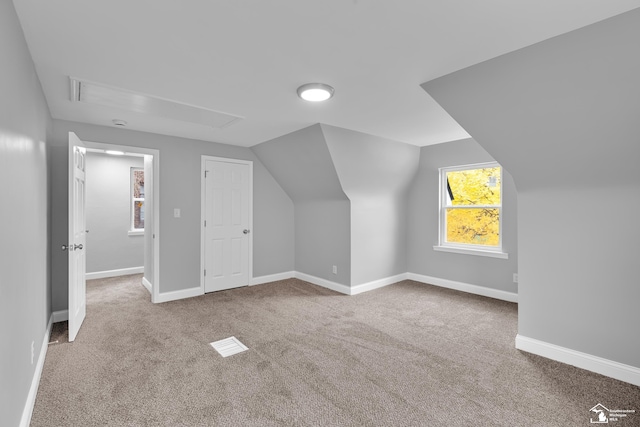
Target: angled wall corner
(300, 162)
(375, 173)
(561, 116)
(557, 112)
(350, 195)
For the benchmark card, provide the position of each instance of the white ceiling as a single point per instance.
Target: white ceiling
(247, 57)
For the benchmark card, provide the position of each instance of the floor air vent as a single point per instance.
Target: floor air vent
(229, 346)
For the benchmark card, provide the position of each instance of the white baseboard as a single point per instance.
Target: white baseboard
(609, 368)
(114, 273)
(60, 316)
(147, 285)
(343, 289)
(272, 278)
(465, 287)
(376, 284)
(347, 290)
(181, 294)
(27, 412)
(366, 287)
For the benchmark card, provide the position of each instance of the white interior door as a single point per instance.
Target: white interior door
(77, 236)
(227, 225)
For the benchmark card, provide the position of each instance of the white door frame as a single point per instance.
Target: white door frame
(155, 288)
(203, 213)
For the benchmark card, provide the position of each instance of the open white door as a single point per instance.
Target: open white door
(227, 225)
(77, 236)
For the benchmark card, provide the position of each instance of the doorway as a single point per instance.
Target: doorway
(115, 206)
(151, 166)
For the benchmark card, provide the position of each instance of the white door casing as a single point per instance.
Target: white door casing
(76, 247)
(227, 222)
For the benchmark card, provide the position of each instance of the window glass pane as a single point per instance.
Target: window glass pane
(476, 226)
(474, 187)
(138, 184)
(138, 214)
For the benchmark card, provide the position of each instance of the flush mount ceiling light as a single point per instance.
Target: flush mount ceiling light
(315, 92)
(118, 122)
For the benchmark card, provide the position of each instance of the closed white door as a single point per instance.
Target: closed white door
(77, 236)
(227, 227)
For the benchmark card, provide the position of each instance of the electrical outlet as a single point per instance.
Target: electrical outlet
(33, 351)
(335, 269)
(176, 213)
(515, 277)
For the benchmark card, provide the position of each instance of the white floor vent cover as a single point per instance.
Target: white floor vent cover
(229, 346)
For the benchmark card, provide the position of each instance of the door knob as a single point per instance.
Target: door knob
(76, 247)
(246, 231)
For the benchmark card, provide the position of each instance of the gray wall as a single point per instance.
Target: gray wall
(179, 185)
(562, 116)
(25, 298)
(424, 218)
(108, 209)
(322, 239)
(375, 174)
(302, 164)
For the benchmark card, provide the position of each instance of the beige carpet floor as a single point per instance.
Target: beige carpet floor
(405, 355)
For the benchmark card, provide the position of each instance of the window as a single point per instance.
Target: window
(137, 200)
(471, 210)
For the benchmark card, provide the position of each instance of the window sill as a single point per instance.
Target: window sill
(477, 252)
(136, 233)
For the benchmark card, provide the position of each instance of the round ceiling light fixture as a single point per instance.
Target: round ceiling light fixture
(315, 92)
(119, 122)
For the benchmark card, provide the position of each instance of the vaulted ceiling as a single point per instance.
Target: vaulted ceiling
(246, 58)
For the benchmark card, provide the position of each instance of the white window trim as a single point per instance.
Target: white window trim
(472, 251)
(462, 248)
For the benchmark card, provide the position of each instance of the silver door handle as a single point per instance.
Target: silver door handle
(65, 247)
(76, 247)
(246, 231)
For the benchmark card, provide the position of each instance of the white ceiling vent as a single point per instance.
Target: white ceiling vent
(94, 93)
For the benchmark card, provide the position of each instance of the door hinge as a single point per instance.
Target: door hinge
(205, 273)
(205, 222)
(205, 173)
